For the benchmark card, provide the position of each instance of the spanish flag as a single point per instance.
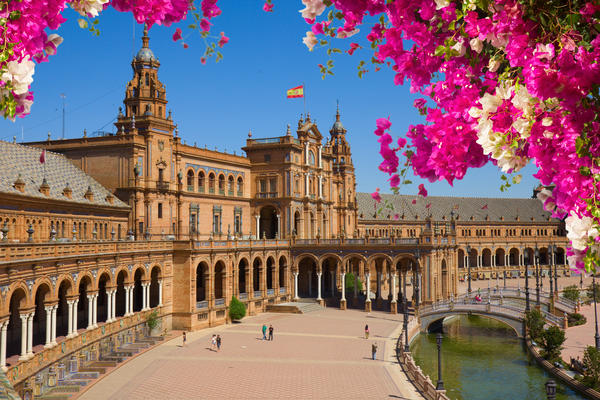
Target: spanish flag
(298, 91)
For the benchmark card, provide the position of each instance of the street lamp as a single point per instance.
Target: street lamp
(469, 269)
(551, 389)
(596, 336)
(405, 325)
(555, 253)
(551, 263)
(526, 259)
(417, 283)
(440, 382)
(537, 276)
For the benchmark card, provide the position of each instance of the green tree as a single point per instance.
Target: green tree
(237, 309)
(350, 279)
(535, 321)
(551, 341)
(590, 292)
(591, 365)
(571, 293)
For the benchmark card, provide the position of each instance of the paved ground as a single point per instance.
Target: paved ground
(320, 355)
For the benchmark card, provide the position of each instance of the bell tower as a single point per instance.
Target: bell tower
(145, 96)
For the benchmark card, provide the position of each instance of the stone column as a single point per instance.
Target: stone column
(257, 218)
(53, 334)
(144, 296)
(296, 285)
(393, 307)
(160, 299)
(343, 285)
(131, 293)
(70, 319)
(4, 326)
(320, 187)
(95, 311)
(368, 289)
(75, 304)
(48, 343)
(113, 315)
(109, 306)
(30, 335)
(23, 355)
(278, 235)
(126, 301)
(319, 275)
(306, 191)
(90, 298)
(319, 152)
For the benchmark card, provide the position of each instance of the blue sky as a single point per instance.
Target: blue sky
(218, 103)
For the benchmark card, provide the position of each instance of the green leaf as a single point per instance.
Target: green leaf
(83, 24)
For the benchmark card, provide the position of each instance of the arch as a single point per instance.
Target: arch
(437, 320)
(444, 278)
(379, 256)
(201, 280)
(544, 259)
(41, 299)
(297, 222)
(211, 182)
(230, 185)
(87, 279)
(84, 288)
(65, 289)
(221, 184)
(500, 257)
(16, 305)
(240, 186)
(122, 278)
(282, 271)
(190, 179)
(325, 256)
(242, 275)
(461, 258)
(104, 281)
(329, 265)
(486, 257)
(311, 157)
(513, 257)
(268, 224)
(270, 270)
(138, 294)
(219, 281)
(201, 181)
(307, 275)
(257, 273)
(155, 275)
(560, 256)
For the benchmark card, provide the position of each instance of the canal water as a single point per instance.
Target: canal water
(483, 359)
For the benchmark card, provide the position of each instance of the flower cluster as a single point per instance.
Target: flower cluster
(508, 82)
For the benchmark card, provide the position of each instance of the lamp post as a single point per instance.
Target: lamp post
(405, 325)
(551, 255)
(536, 260)
(526, 259)
(555, 252)
(596, 336)
(417, 283)
(469, 269)
(551, 389)
(440, 382)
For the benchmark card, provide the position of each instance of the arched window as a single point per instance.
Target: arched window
(240, 186)
(221, 184)
(147, 79)
(230, 185)
(211, 183)
(190, 180)
(201, 181)
(311, 158)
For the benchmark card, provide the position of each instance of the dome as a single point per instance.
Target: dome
(337, 127)
(145, 54)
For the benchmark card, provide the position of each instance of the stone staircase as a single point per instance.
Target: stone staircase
(73, 374)
(301, 306)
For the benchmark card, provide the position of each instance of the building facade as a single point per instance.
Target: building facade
(112, 228)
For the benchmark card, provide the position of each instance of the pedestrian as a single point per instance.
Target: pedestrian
(366, 331)
(374, 350)
(184, 339)
(213, 342)
(264, 331)
(218, 342)
(270, 332)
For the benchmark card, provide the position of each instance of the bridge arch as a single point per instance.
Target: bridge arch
(432, 322)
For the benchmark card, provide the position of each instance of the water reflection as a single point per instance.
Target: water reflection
(483, 359)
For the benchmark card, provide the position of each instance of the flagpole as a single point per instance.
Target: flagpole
(304, 97)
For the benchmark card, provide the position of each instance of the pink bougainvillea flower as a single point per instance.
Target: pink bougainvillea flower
(382, 125)
(177, 35)
(396, 216)
(394, 180)
(414, 201)
(203, 60)
(223, 40)
(376, 196)
(353, 47)
(205, 25)
(422, 190)
(185, 46)
(268, 6)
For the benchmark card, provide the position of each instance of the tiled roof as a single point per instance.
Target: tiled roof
(464, 208)
(16, 159)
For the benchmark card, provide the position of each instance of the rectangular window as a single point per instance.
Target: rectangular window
(263, 186)
(140, 163)
(273, 185)
(160, 208)
(237, 220)
(217, 210)
(141, 227)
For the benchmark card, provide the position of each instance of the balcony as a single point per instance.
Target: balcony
(266, 195)
(257, 294)
(219, 302)
(162, 185)
(243, 296)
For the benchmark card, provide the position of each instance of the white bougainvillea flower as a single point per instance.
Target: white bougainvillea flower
(310, 40)
(88, 7)
(579, 230)
(312, 9)
(19, 75)
(52, 43)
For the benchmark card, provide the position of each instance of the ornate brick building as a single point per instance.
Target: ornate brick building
(114, 227)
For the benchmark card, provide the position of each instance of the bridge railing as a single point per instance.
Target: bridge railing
(561, 303)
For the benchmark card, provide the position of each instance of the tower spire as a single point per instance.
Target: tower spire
(145, 38)
(337, 111)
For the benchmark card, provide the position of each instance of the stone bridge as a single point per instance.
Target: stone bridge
(432, 316)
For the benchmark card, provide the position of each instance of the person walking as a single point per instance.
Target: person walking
(218, 342)
(270, 332)
(184, 338)
(264, 331)
(213, 342)
(374, 350)
(366, 331)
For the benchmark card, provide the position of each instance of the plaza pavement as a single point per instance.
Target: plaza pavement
(319, 355)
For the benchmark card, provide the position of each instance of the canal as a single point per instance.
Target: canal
(483, 359)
